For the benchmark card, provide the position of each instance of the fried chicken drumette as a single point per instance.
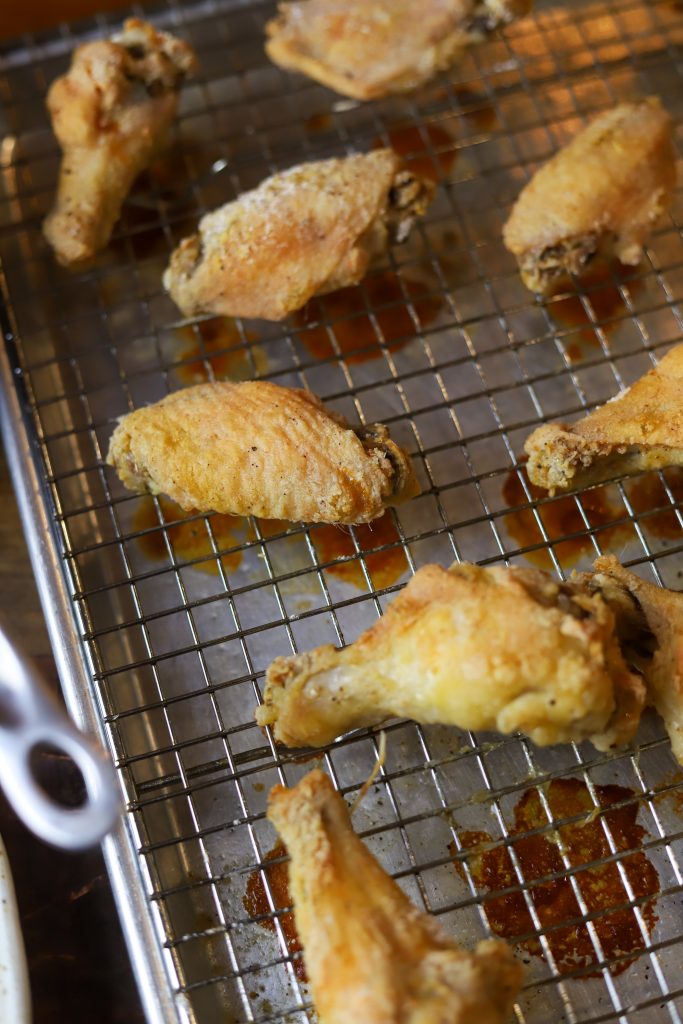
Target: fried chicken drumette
(602, 192)
(650, 626)
(640, 429)
(255, 448)
(308, 230)
(111, 113)
(371, 48)
(480, 648)
(370, 955)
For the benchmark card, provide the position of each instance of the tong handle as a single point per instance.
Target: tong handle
(29, 717)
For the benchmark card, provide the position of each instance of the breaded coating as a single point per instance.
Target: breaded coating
(371, 956)
(602, 192)
(309, 230)
(371, 48)
(258, 449)
(640, 429)
(480, 648)
(111, 113)
(650, 624)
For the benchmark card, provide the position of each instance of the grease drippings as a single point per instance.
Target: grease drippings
(217, 345)
(189, 540)
(601, 286)
(647, 492)
(256, 903)
(481, 114)
(354, 331)
(561, 518)
(428, 149)
(385, 567)
(555, 903)
(317, 123)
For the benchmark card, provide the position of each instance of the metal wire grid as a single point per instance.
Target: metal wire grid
(177, 655)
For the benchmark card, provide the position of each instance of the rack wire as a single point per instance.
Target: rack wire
(462, 363)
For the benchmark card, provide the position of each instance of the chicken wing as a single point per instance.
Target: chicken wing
(371, 48)
(111, 113)
(309, 230)
(255, 448)
(370, 955)
(602, 191)
(505, 649)
(650, 624)
(640, 429)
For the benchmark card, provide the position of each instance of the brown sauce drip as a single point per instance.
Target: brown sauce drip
(483, 117)
(555, 903)
(648, 492)
(560, 518)
(428, 150)
(317, 123)
(256, 903)
(601, 285)
(217, 335)
(189, 540)
(353, 329)
(385, 567)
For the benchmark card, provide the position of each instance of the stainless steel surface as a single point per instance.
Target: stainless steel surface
(30, 718)
(168, 658)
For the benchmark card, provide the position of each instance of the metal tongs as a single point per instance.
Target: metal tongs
(30, 717)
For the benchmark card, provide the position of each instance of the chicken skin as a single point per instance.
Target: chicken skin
(602, 192)
(258, 449)
(371, 48)
(111, 113)
(640, 429)
(480, 648)
(650, 624)
(308, 230)
(370, 955)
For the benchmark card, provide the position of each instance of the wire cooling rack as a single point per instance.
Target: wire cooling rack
(164, 628)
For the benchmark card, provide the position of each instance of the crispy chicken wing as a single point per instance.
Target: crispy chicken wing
(640, 429)
(602, 191)
(259, 449)
(308, 230)
(110, 112)
(650, 624)
(370, 955)
(505, 649)
(370, 48)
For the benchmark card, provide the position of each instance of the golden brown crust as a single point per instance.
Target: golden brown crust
(255, 448)
(371, 48)
(504, 649)
(662, 612)
(110, 112)
(605, 189)
(640, 429)
(311, 229)
(370, 955)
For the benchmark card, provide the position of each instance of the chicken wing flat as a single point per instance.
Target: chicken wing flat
(640, 429)
(371, 48)
(309, 230)
(370, 955)
(481, 648)
(255, 448)
(111, 113)
(650, 624)
(601, 192)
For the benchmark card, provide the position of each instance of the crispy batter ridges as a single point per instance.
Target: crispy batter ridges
(640, 429)
(111, 113)
(370, 955)
(602, 191)
(651, 625)
(311, 229)
(370, 48)
(505, 649)
(258, 449)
